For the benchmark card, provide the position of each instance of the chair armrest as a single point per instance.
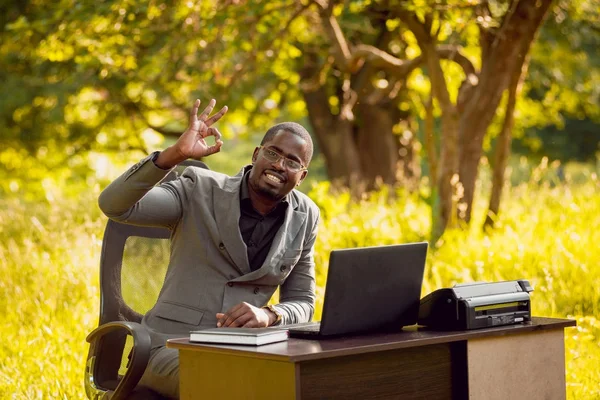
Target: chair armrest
(139, 357)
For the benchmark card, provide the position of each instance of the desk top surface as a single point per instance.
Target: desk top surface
(303, 350)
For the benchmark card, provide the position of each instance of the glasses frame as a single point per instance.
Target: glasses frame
(279, 157)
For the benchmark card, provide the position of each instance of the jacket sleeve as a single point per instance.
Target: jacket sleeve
(297, 294)
(136, 198)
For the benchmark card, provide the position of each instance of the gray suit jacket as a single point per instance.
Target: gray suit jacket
(208, 269)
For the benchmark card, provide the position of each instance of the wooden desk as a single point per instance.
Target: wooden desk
(525, 361)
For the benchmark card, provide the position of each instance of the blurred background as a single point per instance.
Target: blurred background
(472, 124)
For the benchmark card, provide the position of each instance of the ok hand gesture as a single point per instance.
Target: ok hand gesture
(191, 143)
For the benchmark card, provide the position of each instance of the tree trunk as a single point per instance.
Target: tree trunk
(377, 146)
(363, 153)
(408, 169)
(503, 146)
(334, 135)
(444, 210)
(430, 142)
(505, 55)
(335, 139)
(444, 200)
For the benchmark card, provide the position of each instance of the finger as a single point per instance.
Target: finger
(220, 319)
(234, 311)
(217, 116)
(235, 315)
(231, 319)
(234, 308)
(207, 110)
(214, 132)
(215, 148)
(252, 323)
(194, 112)
(242, 320)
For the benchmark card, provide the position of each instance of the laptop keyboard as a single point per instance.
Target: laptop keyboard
(305, 327)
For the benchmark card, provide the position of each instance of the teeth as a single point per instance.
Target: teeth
(273, 178)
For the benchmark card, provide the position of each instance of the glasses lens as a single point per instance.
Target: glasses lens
(292, 165)
(270, 155)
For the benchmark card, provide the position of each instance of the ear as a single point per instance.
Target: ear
(255, 154)
(304, 173)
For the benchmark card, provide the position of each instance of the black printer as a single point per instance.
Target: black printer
(476, 305)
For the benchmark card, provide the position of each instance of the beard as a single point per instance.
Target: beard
(270, 193)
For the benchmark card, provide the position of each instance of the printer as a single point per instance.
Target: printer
(476, 305)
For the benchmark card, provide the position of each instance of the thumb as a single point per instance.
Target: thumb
(215, 148)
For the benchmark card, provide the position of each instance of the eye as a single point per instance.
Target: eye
(271, 153)
(293, 164)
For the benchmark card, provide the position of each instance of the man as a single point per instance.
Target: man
(234, 239)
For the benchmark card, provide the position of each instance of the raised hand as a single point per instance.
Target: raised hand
(191, 143)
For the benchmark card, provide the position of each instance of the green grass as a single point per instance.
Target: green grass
(547, 232)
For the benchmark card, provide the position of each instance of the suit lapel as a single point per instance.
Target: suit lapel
(288, 231)
(227, 215)
(294, 220)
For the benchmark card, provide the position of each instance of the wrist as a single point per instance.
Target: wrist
(271, 317)
(169, 158)
(274, 315)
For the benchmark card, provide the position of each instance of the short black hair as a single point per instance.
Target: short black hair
(294, 128)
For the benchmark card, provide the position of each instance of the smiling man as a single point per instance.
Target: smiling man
(235, 240)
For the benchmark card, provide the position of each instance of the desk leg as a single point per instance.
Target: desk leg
(207, 375)
(525, 366)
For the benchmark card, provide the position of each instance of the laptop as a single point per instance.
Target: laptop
(369, 289)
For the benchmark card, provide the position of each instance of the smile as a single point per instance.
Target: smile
(273, 178)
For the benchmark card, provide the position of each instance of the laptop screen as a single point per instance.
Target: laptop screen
(373, 288)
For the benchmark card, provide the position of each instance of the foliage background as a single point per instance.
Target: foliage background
(76, 79)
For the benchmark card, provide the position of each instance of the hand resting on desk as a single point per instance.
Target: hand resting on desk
(247, 316)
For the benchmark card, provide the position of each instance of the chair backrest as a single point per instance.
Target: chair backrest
(133, 264)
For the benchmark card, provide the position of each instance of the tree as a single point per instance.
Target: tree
(349, 65)
(96, 76)
(555, 91)
(505, 31)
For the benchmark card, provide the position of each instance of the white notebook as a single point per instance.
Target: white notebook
(246, 336)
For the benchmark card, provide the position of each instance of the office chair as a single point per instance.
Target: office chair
(133, 264)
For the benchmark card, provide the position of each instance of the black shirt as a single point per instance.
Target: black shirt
(258, 230)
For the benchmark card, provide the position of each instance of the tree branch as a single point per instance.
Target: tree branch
(341, 50)
(401, 68)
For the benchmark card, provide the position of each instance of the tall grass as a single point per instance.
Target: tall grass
(547, 232)
(48, 296)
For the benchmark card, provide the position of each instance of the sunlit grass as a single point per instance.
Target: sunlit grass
(547, 233)
(48, 296)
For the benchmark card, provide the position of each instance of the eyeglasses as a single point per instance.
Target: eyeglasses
(289, 164)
